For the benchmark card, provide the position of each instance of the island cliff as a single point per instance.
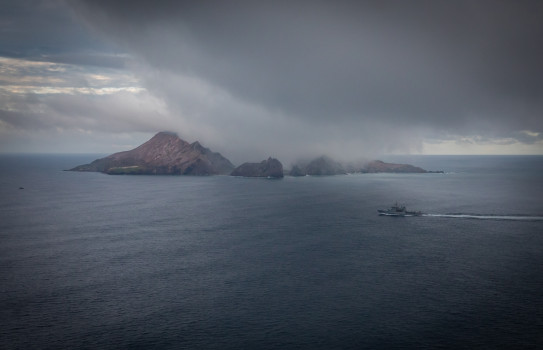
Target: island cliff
(267, 168)
(166, 154)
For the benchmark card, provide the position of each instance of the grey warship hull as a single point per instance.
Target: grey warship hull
(398, 210)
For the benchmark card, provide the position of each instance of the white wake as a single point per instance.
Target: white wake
(488, 217)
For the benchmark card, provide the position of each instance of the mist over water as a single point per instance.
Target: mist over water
(95, 261)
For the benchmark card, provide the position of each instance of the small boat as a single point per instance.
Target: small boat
(398, 210)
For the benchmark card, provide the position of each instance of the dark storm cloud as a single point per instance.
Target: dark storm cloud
(46, 30)
(460, 66)
(253, 78)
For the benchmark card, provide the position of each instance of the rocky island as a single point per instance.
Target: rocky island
(271, 168)
(323, 166)
(167, 154)
(378, 166)
(164, 154)
(326, 166)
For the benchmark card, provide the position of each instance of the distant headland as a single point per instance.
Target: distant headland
(167, 154)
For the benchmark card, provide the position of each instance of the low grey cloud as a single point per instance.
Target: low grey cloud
(116, 112)
(463, 67)
(349, 78)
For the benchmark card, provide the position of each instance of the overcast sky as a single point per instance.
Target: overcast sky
(288, 79)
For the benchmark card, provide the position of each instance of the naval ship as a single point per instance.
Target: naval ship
(398, 210)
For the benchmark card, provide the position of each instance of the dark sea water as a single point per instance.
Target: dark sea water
(167, 262)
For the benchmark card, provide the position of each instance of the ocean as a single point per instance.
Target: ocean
(94, 261)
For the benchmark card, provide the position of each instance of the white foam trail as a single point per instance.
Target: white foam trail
(396, 215)
(488, 217)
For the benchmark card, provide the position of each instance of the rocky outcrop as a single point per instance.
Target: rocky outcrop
(267, 168)
(166, 154)
(297, 171)
(324, 166)
(319, 166)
